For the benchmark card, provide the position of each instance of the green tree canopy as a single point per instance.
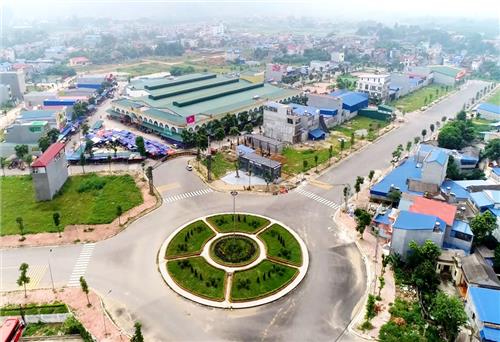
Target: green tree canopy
(492, 150)
(449, 314)
(482, 225)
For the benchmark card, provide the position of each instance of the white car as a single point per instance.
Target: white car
(189, 168)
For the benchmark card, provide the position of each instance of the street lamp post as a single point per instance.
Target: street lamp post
(50, 271)
(234, 194)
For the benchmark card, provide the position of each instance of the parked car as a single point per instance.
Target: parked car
(189, 168)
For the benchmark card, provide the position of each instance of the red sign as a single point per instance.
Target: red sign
(276, 67)
(190, 119)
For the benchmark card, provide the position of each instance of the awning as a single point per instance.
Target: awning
(317, 134)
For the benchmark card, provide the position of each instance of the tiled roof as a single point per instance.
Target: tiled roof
(444, 211)
(48, 155)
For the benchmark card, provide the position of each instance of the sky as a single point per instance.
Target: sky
(185, 9)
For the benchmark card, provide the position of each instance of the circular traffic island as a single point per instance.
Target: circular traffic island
(234, 250)
(233, 260)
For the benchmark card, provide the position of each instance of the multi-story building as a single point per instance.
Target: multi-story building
(375, 85)
(26, 133)
(16, 81)
(5, 93)
(282, 124)
(49, 172)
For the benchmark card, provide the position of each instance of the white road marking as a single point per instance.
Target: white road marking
(81, 264)
(317, 198)
(185, 195)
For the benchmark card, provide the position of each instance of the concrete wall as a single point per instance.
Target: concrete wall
(36, 98)
(24, 134)
(49, 180)
(402, 237)
(433, 172)
(16, 81)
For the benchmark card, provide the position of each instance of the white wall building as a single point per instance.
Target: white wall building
(375, 85)
(280, 123)
(337, 57)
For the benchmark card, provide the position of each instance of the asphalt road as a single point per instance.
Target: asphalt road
(317, 310)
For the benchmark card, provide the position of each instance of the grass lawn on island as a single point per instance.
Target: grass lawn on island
(281, 244)
(96, 202)
(244, 223)
(34, 309)
(190, 240)
(495, 98)
(294, 163)
(416, 99)
(199, 277)
(220, 165)
(261, 280)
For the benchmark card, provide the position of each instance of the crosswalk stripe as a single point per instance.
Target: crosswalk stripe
(317, 198)
(186, 195)
(36, 274)
(81, 264)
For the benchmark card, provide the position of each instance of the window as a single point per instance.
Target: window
(38, 170)
(289, 121)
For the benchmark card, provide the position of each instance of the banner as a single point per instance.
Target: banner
(190, 119)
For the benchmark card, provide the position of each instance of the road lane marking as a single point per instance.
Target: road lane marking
(81, 264)
(169, 186)
(317, 198)
(186, 195)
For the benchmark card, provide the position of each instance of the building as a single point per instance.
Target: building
(260, 166)
(16, 81)
(172, 105)
(483, 308)
(375, 85)
(79, 61)
(447, 75)
(36, 98)
(49, 172)
(405, 83)
(5, 94)
(337, 57)
(321, 66)
(352, 102)
(26, 133)
(275, 72)
(489, 111)
(410, 226)
(330, 108)
(282, 124)
(55, 118)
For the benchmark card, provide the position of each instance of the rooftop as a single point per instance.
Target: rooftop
(461, 227)
(478, 273)
(490, 108)
(398, 178)
(447, 70)
(254, 157)
(351, 98)
(413, 221)
(486, 302)
(444, 211)
(48, 155)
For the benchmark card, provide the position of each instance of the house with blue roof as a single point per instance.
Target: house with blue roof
(410, 226)
(462, 160)
(483, 308)
(489, 111)
(352, 101)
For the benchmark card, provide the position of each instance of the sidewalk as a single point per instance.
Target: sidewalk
(93, 318)
(373, 259)
(86, 232)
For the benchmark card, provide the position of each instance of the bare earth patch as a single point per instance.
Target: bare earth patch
(87, 233)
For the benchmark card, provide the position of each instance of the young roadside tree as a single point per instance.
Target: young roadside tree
(57, 221)
(408, 146)
(363, 219)
(304, 165)
(21, 151)
(342, 145)
(23, 277)
(353, 139)
(85, 289)
(482, 225)
(370, 175)
(371, 308)
(381, 285)
(316, 161)
(416, 140)
(139, 142)
(248, 128)
(422, 261)
(137, 337)
(237, 168)
(119, 212)
(424, 133)
(20, 224)
(3, 164)
(346, 192)
(44, 143)
(85, 129)
(492, 150)
(83, 161)
(149, 174)
(449, 314)
(330, 154)
(432, 128)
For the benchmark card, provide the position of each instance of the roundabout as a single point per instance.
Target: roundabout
(230, 260)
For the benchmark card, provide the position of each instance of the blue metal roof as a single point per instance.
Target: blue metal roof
(459, 191)
(414, 221)
(490, 107)
(495, 212)
(490, 334)
(242, 149)
(317, 134)
(303, 110)
(496, 171)
(383, 219)
(351, 100)
(330, 112)
(481, 200)
(398, 177)
(462, 227)
(486, 301)
(437, 156)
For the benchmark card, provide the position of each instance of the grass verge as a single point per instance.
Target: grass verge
(261, 280)
(417, 99)
(282, 245)
(198, 277)
(244, 223)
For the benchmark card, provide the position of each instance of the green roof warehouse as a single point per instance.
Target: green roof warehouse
(166, 105)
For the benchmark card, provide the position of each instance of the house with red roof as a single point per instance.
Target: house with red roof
(49, 172)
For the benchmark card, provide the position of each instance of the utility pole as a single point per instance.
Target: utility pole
(209, 159)
(234, 194)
